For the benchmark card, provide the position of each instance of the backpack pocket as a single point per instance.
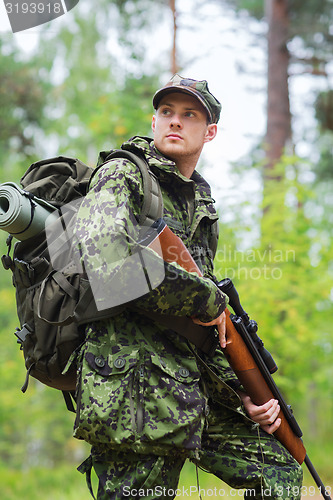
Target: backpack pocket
(67, 298)
(46, 347)
(58, 298)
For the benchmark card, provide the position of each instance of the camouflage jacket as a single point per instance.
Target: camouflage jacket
(140, 384)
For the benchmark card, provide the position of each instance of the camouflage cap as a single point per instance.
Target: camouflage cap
(196, 88)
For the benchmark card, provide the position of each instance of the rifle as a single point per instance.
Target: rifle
(245, 352)
(254, 366)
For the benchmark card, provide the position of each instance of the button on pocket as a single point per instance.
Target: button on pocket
(99, 362)
(119, 363)
(184, 372)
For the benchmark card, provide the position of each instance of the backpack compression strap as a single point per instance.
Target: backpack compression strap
(152, 208)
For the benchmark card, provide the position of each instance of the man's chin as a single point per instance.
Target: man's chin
(170, 151)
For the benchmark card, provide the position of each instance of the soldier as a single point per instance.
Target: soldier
(147, 398)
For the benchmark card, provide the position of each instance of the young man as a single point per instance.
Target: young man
(147, 398)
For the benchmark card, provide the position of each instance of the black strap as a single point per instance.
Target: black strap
(69, 398)
(64, 284)
(203, 337)
(86, 310)
(85, 468)
(26, 382)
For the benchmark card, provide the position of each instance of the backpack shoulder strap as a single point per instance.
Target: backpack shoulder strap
(152, 208)
(214, 237)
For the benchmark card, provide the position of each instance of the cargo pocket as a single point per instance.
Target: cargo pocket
(107, 403)
(174, 404)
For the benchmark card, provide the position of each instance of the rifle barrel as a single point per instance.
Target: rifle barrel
(318, 481)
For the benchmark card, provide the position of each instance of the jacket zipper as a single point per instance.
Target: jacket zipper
(139, 413)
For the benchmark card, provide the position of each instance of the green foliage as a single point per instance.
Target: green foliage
(78, 93)
(22, 100)
(324, 115)
(94, 98)
(312, 20)
(64, 483)
(285, 283)
(308, 17)
(323, 168)
(324, 110)
(137, 17)
(60, 483)
(35, 428)
(254, 7)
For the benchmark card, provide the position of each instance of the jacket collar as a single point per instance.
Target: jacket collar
(163, 167)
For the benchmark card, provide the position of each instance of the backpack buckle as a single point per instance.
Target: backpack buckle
(7, 262)
(22, 334)
(26, 272)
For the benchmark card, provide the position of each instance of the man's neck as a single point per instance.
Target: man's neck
(186, 165)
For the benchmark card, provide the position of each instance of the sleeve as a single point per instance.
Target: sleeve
(119, 269)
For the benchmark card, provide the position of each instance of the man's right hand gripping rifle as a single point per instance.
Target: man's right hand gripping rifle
(267, 414)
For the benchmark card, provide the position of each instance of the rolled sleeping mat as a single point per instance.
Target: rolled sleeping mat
(22, 215)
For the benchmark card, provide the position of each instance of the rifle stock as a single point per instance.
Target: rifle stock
(244, 358)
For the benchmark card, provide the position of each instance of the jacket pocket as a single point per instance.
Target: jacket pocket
(107, 405)
(174, 406)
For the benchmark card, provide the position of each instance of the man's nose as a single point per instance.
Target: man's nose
(176, 121)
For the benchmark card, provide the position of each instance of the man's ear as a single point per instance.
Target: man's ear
(153, 122)
(211, 132)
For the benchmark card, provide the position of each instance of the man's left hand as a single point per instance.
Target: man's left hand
(266, 415)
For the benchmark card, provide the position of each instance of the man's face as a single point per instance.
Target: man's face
(180, 127)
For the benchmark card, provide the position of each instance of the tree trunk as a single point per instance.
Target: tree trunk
(278, 132)
(174, 64)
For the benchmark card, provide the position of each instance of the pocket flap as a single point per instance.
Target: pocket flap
(111, 364)
(185, 371)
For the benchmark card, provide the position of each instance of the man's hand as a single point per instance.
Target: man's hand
(220, 323)
(265, 415)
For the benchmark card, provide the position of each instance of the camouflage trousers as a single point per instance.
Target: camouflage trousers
(234, 450)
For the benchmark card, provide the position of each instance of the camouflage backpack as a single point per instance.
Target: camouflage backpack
(52, 302)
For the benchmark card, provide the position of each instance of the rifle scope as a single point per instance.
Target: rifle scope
(229, 289)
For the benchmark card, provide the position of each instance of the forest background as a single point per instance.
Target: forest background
(83, 83)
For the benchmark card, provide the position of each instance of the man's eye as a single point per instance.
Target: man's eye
(165, 111)
(189, 114)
